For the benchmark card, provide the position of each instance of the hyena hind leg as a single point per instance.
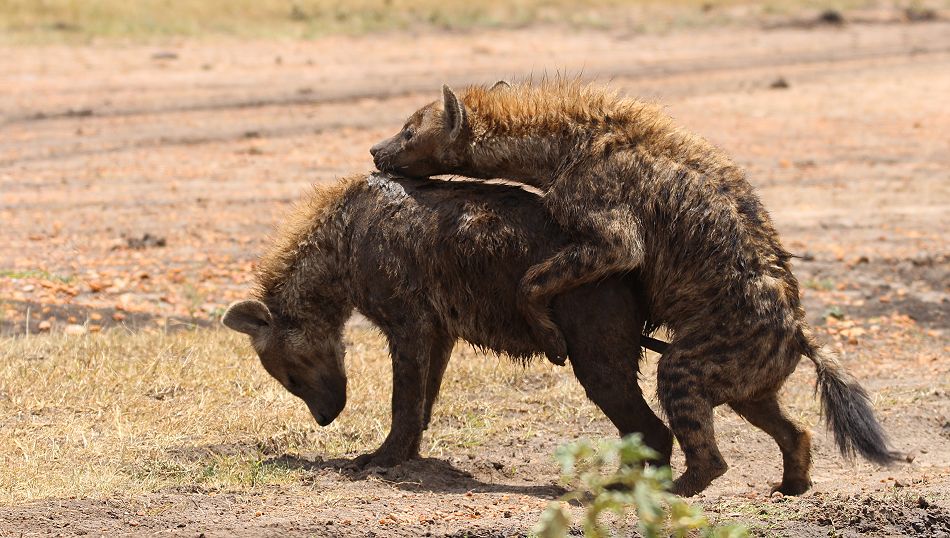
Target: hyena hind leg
(680, 386)
(575, 265)
(795, 443)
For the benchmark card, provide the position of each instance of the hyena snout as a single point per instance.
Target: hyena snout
(383, 154)
(325, 398)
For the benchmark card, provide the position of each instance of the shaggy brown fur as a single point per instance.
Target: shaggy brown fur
(638, 193)
(428, 263)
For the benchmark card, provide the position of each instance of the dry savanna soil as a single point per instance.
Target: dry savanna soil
(138, 183)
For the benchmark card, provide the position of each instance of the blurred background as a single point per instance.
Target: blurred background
(148, 148)
(85, 20)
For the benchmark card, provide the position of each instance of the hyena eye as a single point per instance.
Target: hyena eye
(407, 133)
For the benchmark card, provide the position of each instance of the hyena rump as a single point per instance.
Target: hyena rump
(429, 263)
(638, 193)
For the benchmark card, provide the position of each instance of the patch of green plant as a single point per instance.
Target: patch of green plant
(820, 284)
(160, 470)
(35, 273)
(610, 477)
(834, 312)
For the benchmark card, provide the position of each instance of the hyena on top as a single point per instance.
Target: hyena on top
(639, 193)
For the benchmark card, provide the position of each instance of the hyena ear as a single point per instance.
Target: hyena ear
(454, 116)
(248, 317)
(500, 85)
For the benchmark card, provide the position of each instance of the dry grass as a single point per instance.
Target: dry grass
(120, 414)
(72, 20)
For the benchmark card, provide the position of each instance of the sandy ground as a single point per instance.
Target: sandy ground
(137, 183)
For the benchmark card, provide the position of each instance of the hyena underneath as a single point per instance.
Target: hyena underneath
(638, 193)
(429, 263)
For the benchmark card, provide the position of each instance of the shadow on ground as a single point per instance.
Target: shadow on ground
(423, 474)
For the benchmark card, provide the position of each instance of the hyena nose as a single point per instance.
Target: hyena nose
(374, 150)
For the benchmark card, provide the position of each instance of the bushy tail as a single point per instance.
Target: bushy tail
(847, 410)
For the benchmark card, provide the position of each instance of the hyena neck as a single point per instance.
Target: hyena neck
(305, 276)
(317, 299)
(530, 158)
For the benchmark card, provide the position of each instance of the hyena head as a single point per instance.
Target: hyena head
(436, 139)
(305, 358)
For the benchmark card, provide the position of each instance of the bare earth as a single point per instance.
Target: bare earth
(138, 183)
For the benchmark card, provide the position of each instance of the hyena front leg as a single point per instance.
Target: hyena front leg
(438, 360)
(411, 359)
(610, 246)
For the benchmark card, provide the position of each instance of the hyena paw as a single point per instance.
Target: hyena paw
(694, 480)
(379, 458)
(792, 486)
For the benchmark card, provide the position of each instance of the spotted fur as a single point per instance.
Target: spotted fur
(428, 263)
(638, 193)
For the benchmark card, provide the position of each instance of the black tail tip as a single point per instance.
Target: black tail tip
(887, 458)
(849, 415)
(878, 454)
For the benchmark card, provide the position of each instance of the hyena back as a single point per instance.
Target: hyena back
(430, 263)
(638, 193)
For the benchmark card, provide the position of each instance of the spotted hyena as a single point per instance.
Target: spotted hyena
(638, 193)
(429, 263)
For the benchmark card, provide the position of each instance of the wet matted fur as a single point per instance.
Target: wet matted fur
(638, 193)
(429, 263)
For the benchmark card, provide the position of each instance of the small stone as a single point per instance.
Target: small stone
(779, 84)
(74, 329)
(165, 55)
(832, 17)
(44, 325)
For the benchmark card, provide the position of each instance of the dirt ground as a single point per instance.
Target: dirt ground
(137, 184)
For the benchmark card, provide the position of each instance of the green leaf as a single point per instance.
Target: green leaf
(612, 471)
(555, 522)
